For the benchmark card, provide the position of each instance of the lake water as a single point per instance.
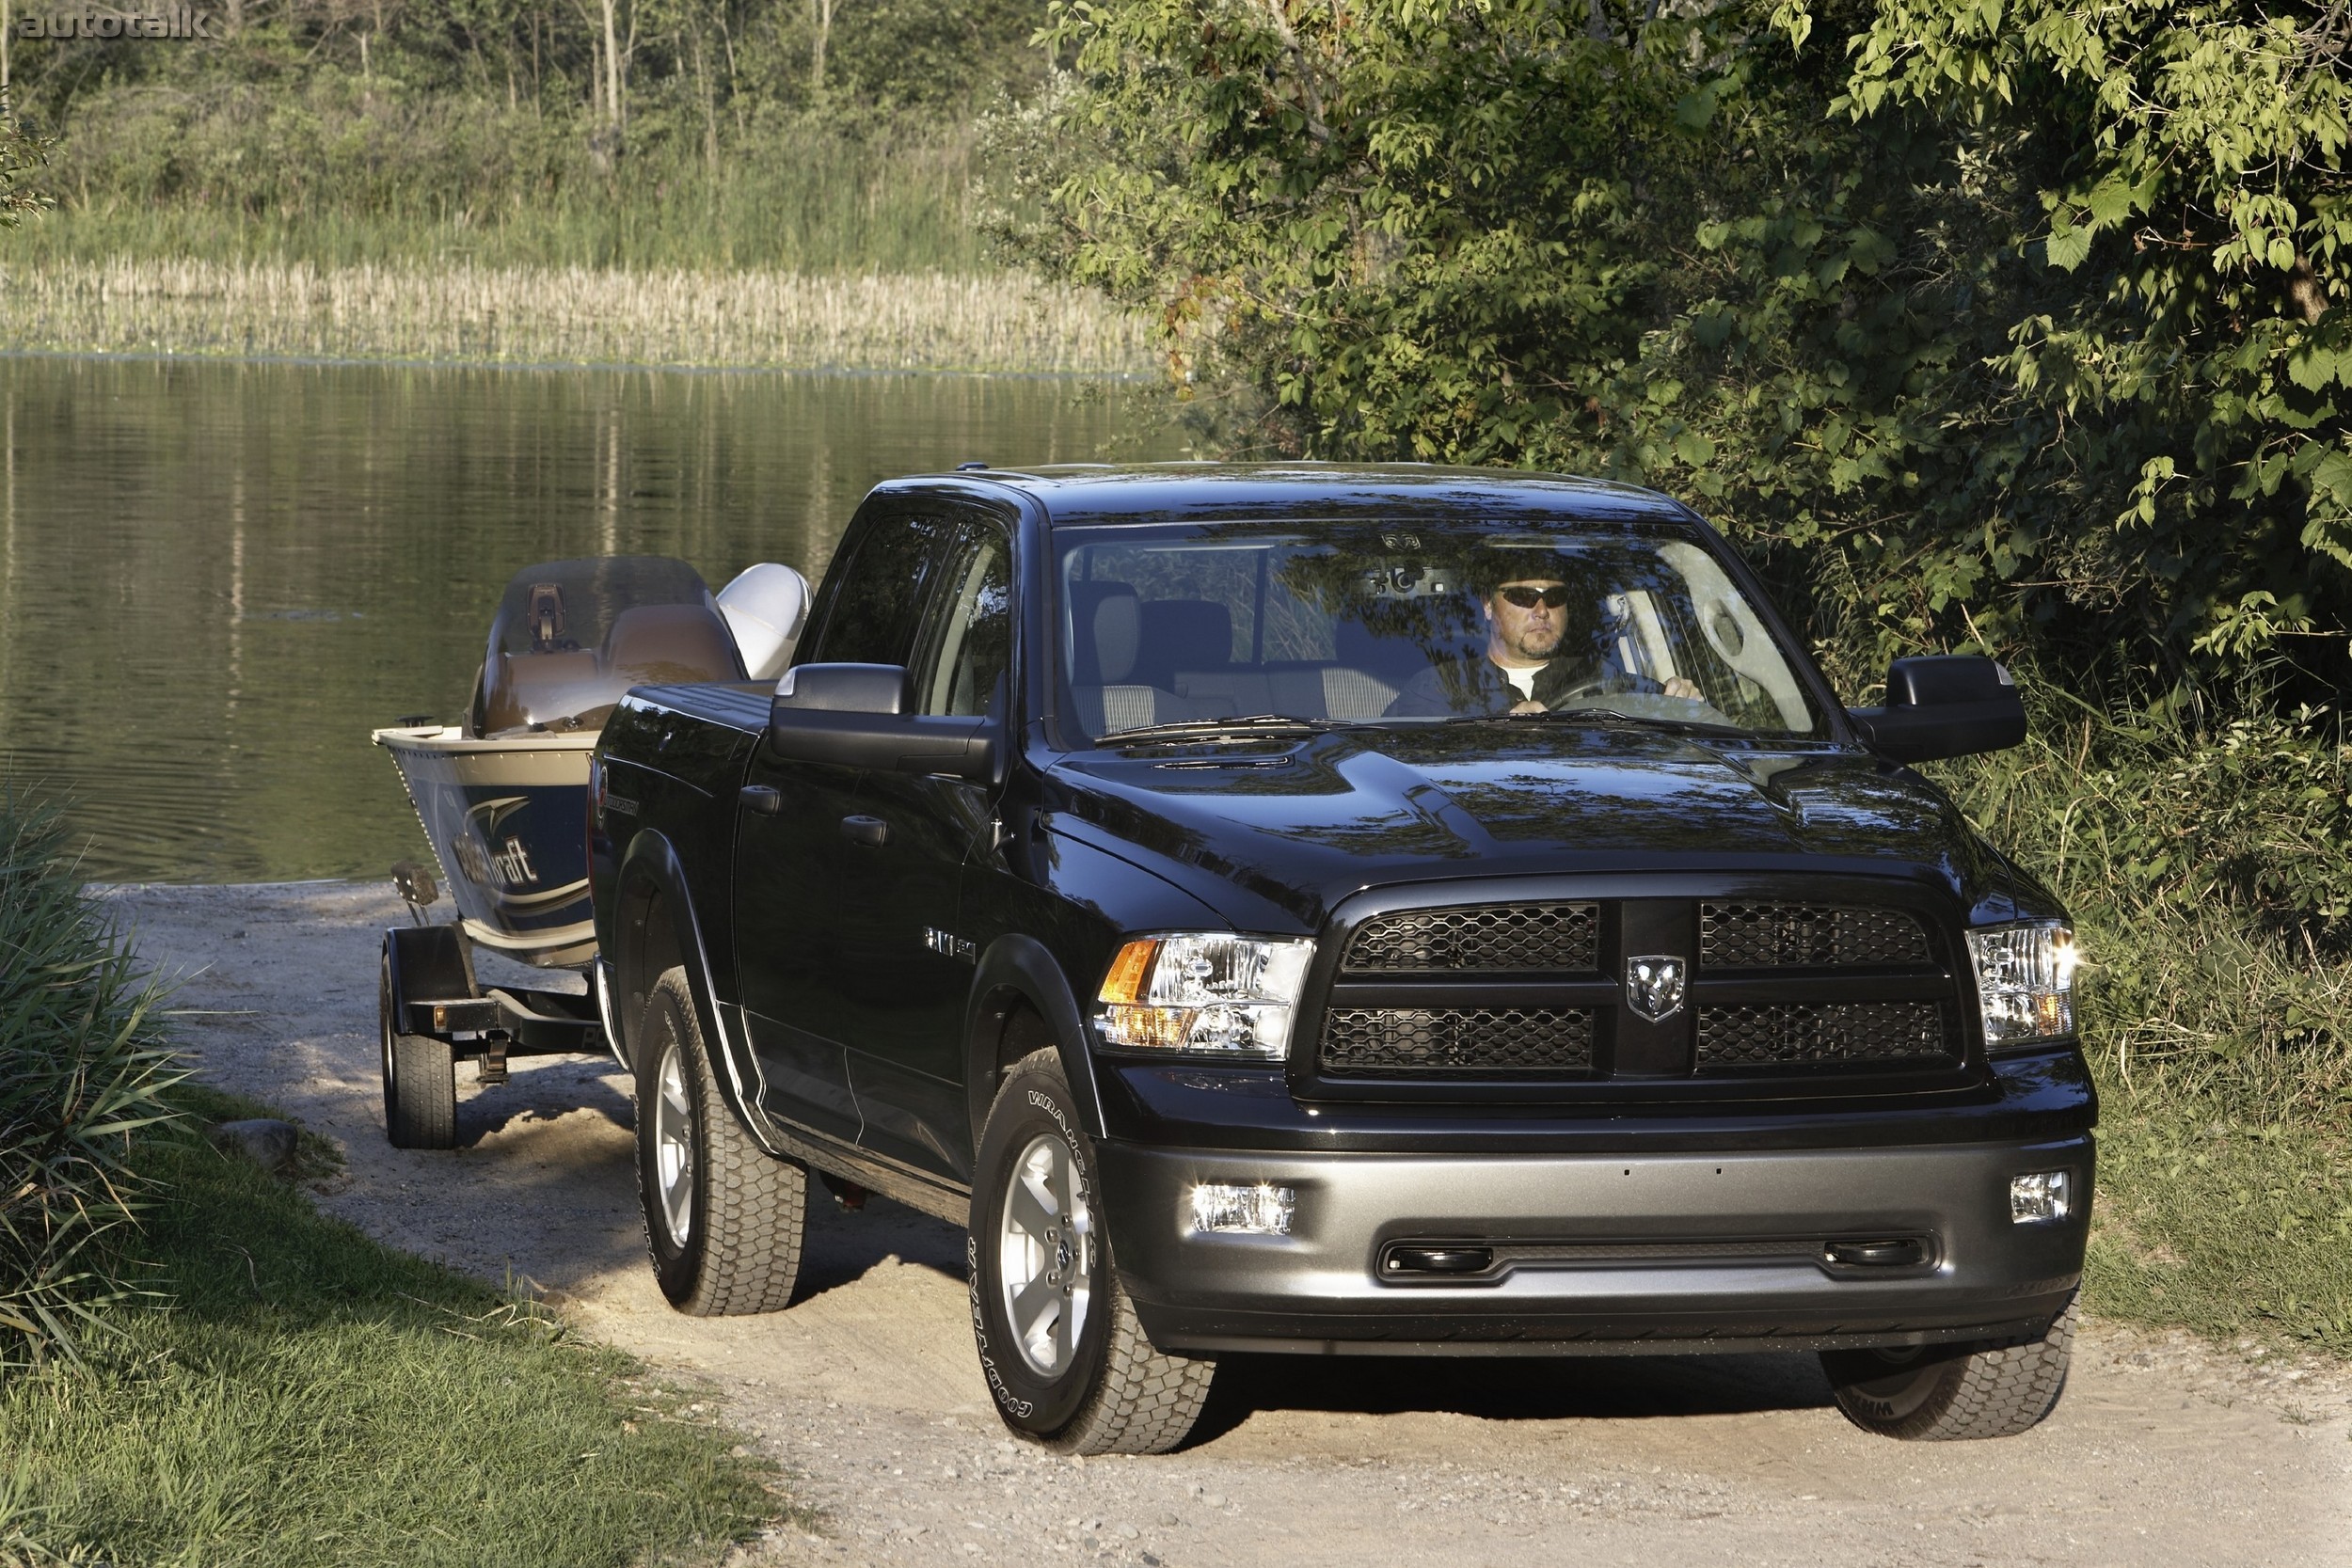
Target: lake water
(216, 578)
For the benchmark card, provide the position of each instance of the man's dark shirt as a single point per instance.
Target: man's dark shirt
(1476, 683)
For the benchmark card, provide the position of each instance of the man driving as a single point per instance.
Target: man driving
(1542, 646)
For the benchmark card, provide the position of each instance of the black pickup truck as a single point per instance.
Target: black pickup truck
(1392, 910)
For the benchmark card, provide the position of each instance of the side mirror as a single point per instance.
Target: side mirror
(850, 715)
(1947, 706)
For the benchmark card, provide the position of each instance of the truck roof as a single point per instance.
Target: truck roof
(1153, 492)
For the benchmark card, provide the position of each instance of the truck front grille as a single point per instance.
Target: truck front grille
(1486, 937)
(1506, 1041)
(1836, 986)
(1783, 935)
(1791, 1033)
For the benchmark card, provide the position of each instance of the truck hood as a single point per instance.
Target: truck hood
(1296, 827)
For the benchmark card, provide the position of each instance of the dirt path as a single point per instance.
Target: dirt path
(2164, 1452)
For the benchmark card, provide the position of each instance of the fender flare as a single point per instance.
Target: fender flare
(1024, 966)
(651, 858)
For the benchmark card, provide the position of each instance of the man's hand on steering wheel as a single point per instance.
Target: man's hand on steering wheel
(1598, 687)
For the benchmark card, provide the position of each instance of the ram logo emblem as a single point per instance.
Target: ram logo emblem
(1654, 985)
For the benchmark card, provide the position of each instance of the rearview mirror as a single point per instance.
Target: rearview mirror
(850, 715)
(1944, 706)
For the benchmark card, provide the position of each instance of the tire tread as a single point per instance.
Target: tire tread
(751, 1209)
(1999, 1391)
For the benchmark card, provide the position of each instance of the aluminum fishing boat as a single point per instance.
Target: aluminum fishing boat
(503, 798)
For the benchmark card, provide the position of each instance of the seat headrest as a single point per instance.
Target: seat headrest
(1187, 634)
(1106, 630)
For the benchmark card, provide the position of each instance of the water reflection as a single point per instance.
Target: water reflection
(215, 578)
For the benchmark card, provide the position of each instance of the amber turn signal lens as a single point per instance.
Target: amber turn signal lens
(1129, 970)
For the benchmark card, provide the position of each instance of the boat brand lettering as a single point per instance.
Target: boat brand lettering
(170, 22)
(507, 865)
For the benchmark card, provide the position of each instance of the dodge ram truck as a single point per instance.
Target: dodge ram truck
(1347, 910)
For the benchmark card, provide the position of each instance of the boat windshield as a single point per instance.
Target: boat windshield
(560, 607)
(1196, 629)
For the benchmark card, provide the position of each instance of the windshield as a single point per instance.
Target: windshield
(563, 606)
(1412, 623)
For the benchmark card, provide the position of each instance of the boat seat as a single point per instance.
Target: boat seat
(653, 644)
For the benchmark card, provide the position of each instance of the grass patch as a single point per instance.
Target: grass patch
(427, 311)
(309, 1395)
(2210, 881)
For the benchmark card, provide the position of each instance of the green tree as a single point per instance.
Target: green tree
(2004, 326)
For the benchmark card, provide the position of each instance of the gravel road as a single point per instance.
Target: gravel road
(2165, 1452)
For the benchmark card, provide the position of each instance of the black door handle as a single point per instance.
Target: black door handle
(866, 829)
(761, 799)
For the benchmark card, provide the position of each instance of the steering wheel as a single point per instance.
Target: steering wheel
(1597, 687)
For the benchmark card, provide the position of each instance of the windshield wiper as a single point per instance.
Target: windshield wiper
(1608, 716)
(1248, 726)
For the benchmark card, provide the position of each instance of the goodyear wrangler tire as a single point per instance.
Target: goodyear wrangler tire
(1947, 1393)
(725, 1219)
(1066, 1360)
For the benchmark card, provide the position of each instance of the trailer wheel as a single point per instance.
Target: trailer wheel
(723, 1217)
(420, 1078)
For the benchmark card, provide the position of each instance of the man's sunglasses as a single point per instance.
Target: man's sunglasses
(1527, 598)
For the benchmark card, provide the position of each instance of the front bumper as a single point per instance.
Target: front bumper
(1597, 1252)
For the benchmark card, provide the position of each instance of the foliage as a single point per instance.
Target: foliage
(82, 1067)
(22, 153)
(2012, 327)
(314, 1398)
(2207, 874)
(489, 129)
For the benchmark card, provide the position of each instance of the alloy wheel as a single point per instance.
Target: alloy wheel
(1045, 1255)
(674, 1147)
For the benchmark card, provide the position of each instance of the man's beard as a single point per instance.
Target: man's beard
(1533, 643)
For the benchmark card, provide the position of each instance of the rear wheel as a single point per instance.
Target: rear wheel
(1940, 1393)
(420, 1078)
(1064, 1354)
(723, 1218)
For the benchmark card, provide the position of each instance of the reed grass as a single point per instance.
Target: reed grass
(466, 312)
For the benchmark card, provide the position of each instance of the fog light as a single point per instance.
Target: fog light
(2044, 1197)
(1256, 1210)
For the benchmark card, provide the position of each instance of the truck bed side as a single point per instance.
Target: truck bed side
(672, 762)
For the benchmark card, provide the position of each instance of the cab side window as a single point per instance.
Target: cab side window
(874, 613)
(969, 649)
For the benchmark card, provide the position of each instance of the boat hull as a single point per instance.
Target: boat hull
(507, 820)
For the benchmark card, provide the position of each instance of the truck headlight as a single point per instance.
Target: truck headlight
(2024, 981)
(1217, 996)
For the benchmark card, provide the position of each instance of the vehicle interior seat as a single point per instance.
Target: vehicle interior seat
(1106, 640)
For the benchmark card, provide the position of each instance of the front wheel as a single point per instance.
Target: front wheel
(1067, 1360)
(724, 1218)
(1941, 1393)
(419, 1077)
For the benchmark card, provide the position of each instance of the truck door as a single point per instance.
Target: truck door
(902, 994)
(807, 914)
